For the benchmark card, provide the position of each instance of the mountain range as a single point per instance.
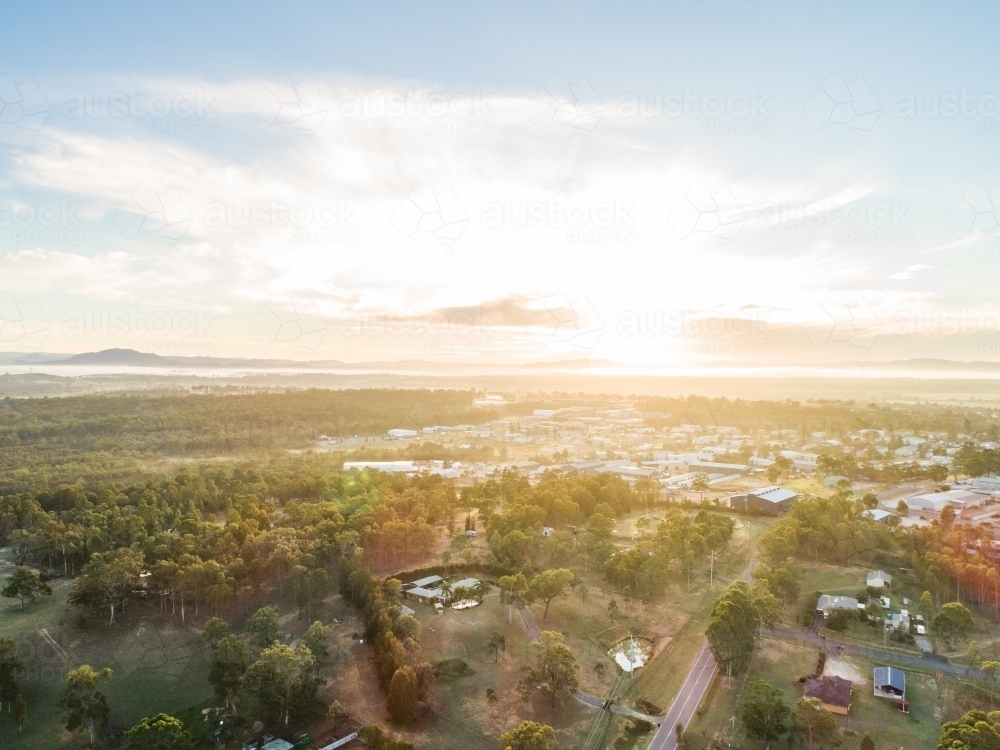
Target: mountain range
(133, 358)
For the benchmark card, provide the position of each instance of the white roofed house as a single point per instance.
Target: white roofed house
(423, 595)
(878, 515)
(878, 579)
(826, 604)
(427, 582)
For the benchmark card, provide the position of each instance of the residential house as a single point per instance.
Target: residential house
(833, 692)
(827, 604)
(890, 683)
(878, 579)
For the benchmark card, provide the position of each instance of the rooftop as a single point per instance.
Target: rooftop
(425, 582)
(773, 494)
(890, 677)
(835, 691)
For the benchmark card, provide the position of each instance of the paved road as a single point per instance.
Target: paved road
(686, 702)
(692, 693)
(927, 661)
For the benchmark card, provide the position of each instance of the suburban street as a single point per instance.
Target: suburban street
(692, 693)
(927, 661)
(687, 701)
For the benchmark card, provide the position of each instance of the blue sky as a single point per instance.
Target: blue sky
(826, 194)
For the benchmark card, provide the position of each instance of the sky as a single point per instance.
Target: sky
(657, 185)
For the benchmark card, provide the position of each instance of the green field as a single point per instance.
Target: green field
(158, 663)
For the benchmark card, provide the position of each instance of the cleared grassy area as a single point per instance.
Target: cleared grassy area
(158, 663)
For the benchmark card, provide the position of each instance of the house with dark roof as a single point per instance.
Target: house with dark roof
(890, 683)
(833, 692)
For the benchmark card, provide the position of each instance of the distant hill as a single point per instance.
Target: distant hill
(34, 358)
(133, 358)
(118, 357)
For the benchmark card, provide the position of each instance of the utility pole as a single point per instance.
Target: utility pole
(711, 574)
